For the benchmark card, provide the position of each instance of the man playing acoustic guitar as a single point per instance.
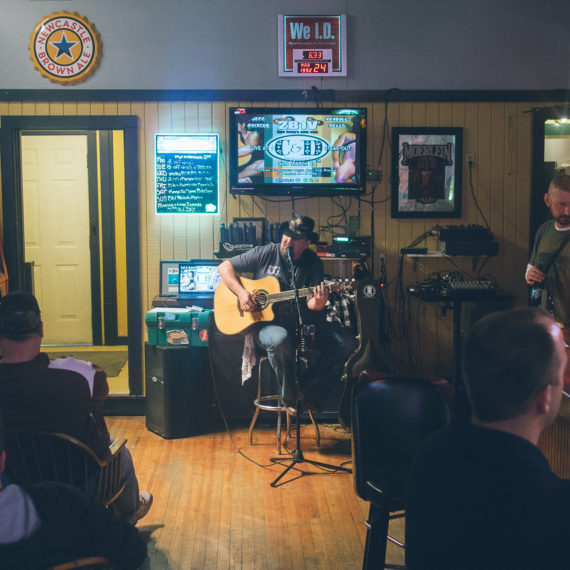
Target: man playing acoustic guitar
(321, 385)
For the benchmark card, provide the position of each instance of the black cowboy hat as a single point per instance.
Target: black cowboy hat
(300, 227)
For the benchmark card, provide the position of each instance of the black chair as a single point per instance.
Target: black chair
(90, 563)
(35, 456)
(390, 418)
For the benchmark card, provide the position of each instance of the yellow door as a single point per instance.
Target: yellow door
(56, 234)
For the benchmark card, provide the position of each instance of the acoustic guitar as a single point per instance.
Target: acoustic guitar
(229, 317)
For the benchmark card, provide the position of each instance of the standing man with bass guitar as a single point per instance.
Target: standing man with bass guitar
(321, 384)
(548, 271)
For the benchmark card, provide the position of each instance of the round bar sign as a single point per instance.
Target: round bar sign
(65, 47)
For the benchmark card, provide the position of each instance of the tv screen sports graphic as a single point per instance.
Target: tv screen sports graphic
(198, 277)
(297, 151)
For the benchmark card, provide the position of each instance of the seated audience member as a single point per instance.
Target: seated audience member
(63, 395)
(51, 523)
(481, 495)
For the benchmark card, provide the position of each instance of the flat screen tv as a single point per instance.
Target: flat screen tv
(297, 151)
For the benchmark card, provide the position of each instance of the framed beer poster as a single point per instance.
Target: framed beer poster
(426, 172)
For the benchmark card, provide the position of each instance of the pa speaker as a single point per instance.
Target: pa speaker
(180, 400)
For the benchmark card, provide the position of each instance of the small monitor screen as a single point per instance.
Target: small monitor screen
(169, 277)
(198, 278)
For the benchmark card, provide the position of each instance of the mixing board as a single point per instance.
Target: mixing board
(453, 289)
(471, 289)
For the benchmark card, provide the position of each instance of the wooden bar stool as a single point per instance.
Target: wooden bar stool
(274, 403)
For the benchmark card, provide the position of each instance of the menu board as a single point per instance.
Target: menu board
(186, 173)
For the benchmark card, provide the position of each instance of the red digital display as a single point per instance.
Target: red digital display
(312, 54)
(314, 67)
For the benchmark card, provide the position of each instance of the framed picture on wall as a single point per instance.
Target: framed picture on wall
(426, 172)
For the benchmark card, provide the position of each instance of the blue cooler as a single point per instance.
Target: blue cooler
(174, 326)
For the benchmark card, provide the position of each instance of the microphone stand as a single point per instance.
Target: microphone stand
(297, 455)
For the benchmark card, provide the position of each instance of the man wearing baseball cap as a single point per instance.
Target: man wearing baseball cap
(321, 386)
(62, 395)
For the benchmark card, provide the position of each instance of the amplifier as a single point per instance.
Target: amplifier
(345, 246)
(180, 398)
(471, 248)
(472, 232)
(326, 250)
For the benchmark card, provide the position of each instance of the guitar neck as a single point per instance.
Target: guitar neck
(288, 295)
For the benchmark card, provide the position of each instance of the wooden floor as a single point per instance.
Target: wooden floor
(214, 509)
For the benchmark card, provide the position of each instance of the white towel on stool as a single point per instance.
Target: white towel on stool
(248, 358)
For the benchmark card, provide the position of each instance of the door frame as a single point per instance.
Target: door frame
(92, 179)
(12, 200)
(538, 212)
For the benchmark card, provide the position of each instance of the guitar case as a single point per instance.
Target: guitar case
(369, 309)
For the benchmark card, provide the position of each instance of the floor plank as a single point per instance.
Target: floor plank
(213, 508)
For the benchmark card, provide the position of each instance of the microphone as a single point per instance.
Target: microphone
(290, 253)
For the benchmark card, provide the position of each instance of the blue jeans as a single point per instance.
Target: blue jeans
(127, 502)
(322, 382)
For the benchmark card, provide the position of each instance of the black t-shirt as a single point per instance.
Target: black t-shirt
(480, 498)
(35, 396)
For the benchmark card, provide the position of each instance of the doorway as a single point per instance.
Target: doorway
(56, 234)
(550, 152)
(104, 263)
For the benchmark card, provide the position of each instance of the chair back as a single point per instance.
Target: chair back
(36, 456)
(390, 419)
(90, 563)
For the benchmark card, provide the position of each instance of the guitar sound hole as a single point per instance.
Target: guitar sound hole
(261, 299)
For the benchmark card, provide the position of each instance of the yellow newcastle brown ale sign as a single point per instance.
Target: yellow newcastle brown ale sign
(65, 47)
